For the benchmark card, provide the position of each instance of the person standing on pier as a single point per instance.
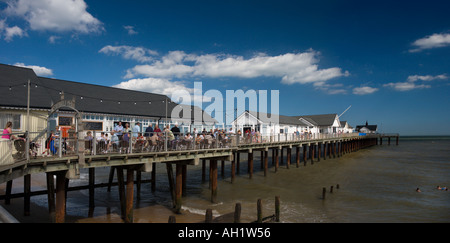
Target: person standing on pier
(6, 145)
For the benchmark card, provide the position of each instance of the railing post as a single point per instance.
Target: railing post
(60, 145)
(27, 146)
(94, 144)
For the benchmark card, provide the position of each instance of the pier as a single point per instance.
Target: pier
(128, 167)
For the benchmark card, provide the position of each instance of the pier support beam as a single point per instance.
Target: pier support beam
(250, 165)
(213, 165)
(178, 188)
(266, 162)
(60, 213)
(304, 155)
(130, 196)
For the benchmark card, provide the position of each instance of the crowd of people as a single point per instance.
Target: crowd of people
(124, 139)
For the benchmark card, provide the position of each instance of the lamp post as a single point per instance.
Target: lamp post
(27, 146)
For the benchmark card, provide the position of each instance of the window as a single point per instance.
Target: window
(14, 118)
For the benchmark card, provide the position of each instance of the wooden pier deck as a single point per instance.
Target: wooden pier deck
(66, 168)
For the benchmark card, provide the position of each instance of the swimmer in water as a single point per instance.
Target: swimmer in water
(418, 190)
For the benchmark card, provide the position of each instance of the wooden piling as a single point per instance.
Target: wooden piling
(91, 187)
(27, 195)
(250, 165)
(324, 191)
(209, 215)
(171, 182)
(319, 151)
(237, 213)
(8, 192)
(178, 187)
(172, 219)
(213, 165)
(50, 193)
(153, 177)
(233, 169)
(259, 211)
(277, 209)
(130, 196)
(277, 159)
(111, 177)
(203, 170)
(60, 212)
(297, 156)
(184, 179)
(304, 155)
(121, 187)
(266, 162)
(288, 157)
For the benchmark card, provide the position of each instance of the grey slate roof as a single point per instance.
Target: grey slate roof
(96, 98)
(320, 120)
(285, 120)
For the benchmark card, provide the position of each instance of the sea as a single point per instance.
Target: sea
(373, 185)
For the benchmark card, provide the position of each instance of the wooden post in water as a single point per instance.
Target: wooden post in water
(172, 219)
(319, 150)
(262, 159)
(276, 160)
(111, 177)
(91, 188)
(184, 178)
(130, 196)
(277, 209)
(266, 162)
(324, 191)
(259, 211)
(171, 182)
(304, 155)
(178, 187)
(233, 169)
(8, 192)
(209, 215)
(297, 156)
(27, 194)
(237, 213)
(60, 213)
(203, 170)
(51, 193)
(238, 162)
(250, 164)
(213, 165)
(121, 187)
(288, 157)
(311, 152)
(153, 177)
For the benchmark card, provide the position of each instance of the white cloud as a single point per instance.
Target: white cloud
(139, 54)
(432, 41)
(130, 30)
(413, 82)
(40, 71)
(162, 86)
(414, 78)
(55, 15)
(406, 86)
(290, 68)
(364, 90)
(11, 32)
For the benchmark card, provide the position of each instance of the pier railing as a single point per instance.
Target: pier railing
(97, 143)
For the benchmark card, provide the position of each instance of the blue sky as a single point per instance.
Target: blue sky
(389, 60)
